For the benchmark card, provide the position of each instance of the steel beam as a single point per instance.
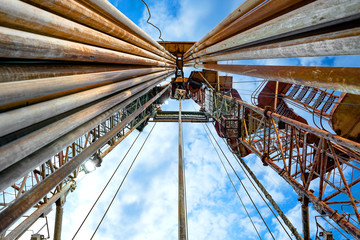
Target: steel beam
(43, 209)
(341, 79)
(16, 209)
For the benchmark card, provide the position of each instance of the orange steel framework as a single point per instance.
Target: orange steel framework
(78, 76)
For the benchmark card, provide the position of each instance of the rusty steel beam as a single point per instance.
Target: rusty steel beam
(322, 207)
(244, 8)
(20, 44)
(18, 91)
(107, 9)
(17, 14)
(17, 119)
(22, 147)
(342, 79)
(346, 42)
(260, 13)
(313, 16)
(77, 12)
(29, 163)
(43, 209)
(19, 207)
(318, 132)
(12, 72)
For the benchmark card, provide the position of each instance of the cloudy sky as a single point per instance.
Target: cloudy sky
(146, 206)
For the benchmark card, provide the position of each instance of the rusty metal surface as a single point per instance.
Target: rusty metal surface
(301, 154)
(16, 171)
(17, 14)
(346, 117)
(22, 147)
(260, 13)
(238, 12)
(344, 42)
(344, 79)
(316, 15)
(27, 200)
(20, 229)
(14, 120)
(20, 44)
(77, 12)
(12, 72)
(107, 9)
(177, 48)
(23, 90)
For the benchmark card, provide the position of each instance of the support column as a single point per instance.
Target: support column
(58, 219)
(181, 207)
(305, 217)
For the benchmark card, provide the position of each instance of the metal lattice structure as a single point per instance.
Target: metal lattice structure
(77, 77)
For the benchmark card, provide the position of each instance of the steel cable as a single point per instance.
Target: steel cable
(258, 190)
(112, 200)
(242, 185)
(237, 193)
(97, 199)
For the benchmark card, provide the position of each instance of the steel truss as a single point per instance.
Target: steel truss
(42, 207)
(321, 167)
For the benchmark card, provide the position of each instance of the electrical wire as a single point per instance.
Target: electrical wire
(132, 163)
(242, 184)
(150, 22)
(97, 199)
(232, 183)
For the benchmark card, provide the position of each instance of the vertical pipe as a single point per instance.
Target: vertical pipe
(181, 208)
(305, 218)
(58, 219)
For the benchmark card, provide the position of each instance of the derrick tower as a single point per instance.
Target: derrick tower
(77, 77)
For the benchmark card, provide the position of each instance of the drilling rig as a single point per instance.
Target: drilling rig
(77, 77)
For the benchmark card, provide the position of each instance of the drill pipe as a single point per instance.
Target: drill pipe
(107, 9)
(75, 11)
(14, 211)
(23, 90)
(313, 16)
(12, 72)
(345, 42)
(14, 120)
(22, 147)
(268, 9)
(18, 170)
(17, 14)
(20, 44)
(336, 78)
(237, 13)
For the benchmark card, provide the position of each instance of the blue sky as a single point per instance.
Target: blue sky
(146, 207)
